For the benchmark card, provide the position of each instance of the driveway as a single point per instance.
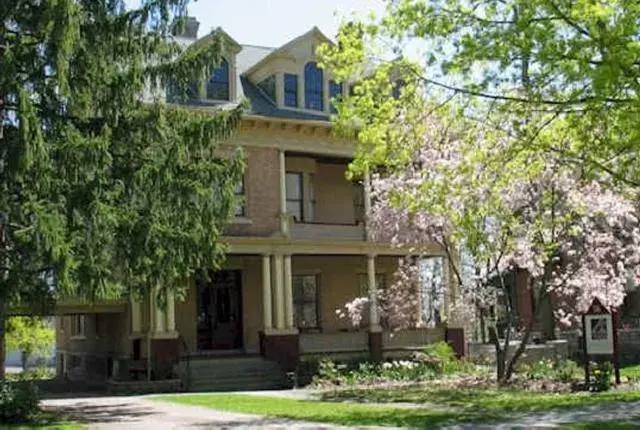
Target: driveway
(143, 413)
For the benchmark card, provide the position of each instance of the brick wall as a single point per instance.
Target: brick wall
(262, 188)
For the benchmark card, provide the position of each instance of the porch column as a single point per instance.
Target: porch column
(288, 292)
(284, 218)
(267, 320)
(374, 318)
(136, 315)
(367, 203)
(171, 312)
(279, 291)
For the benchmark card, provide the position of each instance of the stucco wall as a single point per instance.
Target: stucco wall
(334, 195)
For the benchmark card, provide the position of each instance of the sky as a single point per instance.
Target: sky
(275, 22)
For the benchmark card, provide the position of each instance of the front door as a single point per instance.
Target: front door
(220, 311)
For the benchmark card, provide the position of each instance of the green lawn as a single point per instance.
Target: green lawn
(487, 399)
(631, 372)
(328, 412)
(44, 420)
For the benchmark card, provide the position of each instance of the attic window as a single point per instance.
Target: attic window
(218, 84)
(268, 85)
(290, 90)
(313, 87)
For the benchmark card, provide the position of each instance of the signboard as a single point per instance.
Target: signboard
(599, 334)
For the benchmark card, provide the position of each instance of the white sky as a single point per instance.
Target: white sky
(275, 22)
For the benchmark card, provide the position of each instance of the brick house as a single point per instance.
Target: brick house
(298, 248)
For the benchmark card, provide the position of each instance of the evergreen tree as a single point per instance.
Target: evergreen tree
(105, 189)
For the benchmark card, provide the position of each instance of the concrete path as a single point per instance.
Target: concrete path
(536, 420)
(106, 413)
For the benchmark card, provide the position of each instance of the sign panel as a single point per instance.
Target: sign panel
(599, 334)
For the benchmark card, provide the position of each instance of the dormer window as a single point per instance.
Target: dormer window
(335, 92)
(313, 87)
(290, 90)
(218, 84)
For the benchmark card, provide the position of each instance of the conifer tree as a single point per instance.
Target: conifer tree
(105, 190)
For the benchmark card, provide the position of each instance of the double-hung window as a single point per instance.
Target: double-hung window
(290, 90)
(240, 209)
(218, 85)
(335, 93)
(305, 301)
(295, 196)
(313, 87)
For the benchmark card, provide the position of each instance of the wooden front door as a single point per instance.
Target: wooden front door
(220, 311)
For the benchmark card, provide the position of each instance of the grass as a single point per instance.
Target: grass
(631, 372)
(488, 399)
(328, 412)
(44, 420)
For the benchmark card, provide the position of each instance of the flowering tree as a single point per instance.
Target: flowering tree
(576, 239)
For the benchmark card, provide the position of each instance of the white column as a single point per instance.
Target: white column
(160, 325)
(267, 321)
(288, 293)
(136, 315)
(367, 202)
(279, 291)
(171, 311)
(374, 318)
(284, 218)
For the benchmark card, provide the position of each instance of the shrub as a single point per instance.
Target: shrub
(550, 370)
(329, 373)
(18, 402)
(600, 379)
(41, 372)
(442, 359)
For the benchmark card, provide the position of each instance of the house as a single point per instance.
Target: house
(298, 246)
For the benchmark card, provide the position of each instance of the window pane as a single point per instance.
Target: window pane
(313, 87)
(294, 186)
(290, 90)
(218, 85)
(295, 208)
(309, 316)
(309, 289)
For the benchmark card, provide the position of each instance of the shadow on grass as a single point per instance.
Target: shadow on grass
(46, 420)
(350, 414)
(486, 399)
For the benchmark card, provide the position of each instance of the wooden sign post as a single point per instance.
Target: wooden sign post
(600, 336)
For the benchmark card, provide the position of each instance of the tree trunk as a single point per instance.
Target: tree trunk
(24, 358)
(510, 366)
(2, 343)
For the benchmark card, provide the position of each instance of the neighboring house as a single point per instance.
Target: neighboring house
(298, 248)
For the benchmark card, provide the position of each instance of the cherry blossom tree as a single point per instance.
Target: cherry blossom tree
(577, 238)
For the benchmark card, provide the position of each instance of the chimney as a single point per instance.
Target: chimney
(189, 28)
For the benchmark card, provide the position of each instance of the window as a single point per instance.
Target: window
(290, 90)
(78, 325)
(431, 290)
(241, 202)
(313, 87)
(295, 201)
(335, 92)
(305, 301)
(175, 94)
(268, 85)
(310, 215)
(218, 85)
